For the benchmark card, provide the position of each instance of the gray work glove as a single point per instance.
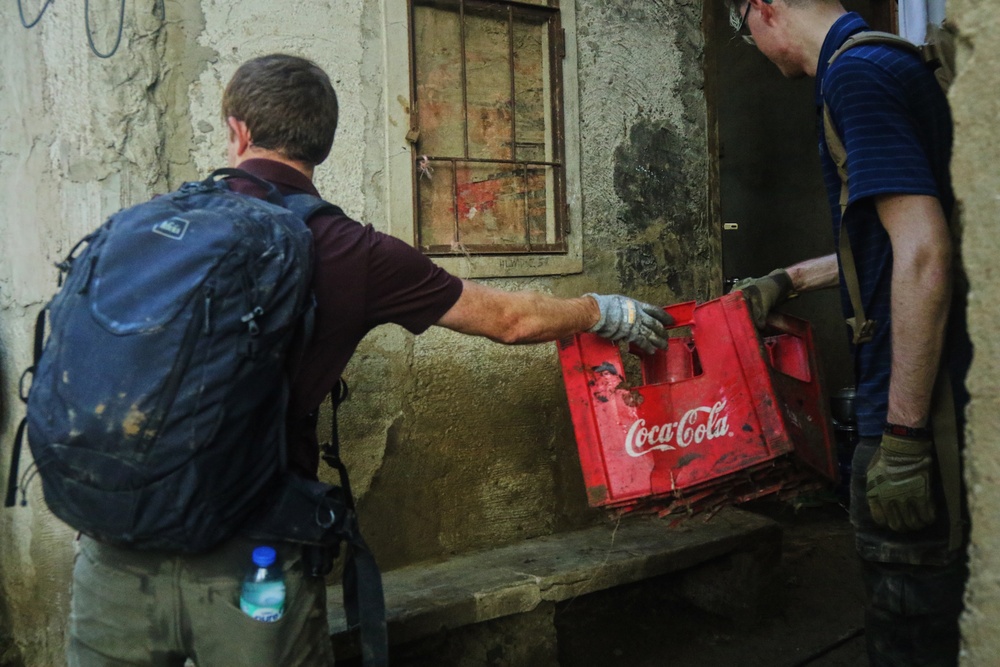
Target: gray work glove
(626, 319)
(763, 294)
(899, 484)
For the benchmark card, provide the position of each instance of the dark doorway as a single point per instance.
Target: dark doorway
(773, 206)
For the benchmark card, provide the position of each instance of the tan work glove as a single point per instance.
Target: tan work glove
(899, 483)
(763, 294)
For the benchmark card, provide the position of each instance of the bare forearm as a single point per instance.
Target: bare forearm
(920, 300)
(534, 317)
(813, 274)
(921, 295)
(518, 317)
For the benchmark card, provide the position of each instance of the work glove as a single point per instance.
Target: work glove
(626, 319)
(763, 294)
(899, 483)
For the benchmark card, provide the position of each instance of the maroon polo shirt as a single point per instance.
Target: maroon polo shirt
(363, 278)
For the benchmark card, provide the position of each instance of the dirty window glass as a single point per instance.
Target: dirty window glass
(488, 164)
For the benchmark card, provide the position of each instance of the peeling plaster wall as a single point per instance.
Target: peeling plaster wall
(645, 160)
(975, 108)
(454, 443)
(79, 137)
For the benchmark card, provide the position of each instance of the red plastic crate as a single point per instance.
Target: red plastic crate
(723, 412)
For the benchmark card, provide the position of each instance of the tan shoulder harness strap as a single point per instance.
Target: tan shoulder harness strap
(945, 431)
(862, 328)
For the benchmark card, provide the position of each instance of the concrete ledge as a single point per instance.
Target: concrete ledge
(429, 598)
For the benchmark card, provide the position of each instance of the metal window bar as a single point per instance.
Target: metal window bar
(485, 160)
(496, 248)
(465, 82)
(512, 102)
(555, 134)
(456, 238)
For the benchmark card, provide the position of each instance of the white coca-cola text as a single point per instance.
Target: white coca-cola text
(696, 426)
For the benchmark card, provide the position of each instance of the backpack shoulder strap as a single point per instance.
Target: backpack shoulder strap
(306, 206)
(875, 37)
(939, 52)
(15, 456)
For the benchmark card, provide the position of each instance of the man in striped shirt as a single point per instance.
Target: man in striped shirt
(892, 118)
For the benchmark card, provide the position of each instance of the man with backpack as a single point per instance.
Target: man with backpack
(134, 606)
(885, 148)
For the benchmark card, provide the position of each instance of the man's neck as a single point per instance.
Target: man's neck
(813, 25)
(256, 153)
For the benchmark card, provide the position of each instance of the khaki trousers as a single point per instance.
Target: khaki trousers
(134, 608)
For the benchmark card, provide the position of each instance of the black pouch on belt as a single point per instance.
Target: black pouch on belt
(304, 511)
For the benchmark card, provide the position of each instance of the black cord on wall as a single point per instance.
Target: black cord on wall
(41, 13)
(90, 32)
(161, 6)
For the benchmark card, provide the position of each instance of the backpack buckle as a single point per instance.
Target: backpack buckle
(862, 332)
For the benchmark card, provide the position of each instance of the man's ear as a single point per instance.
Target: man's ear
(766, 9)
(239, 135)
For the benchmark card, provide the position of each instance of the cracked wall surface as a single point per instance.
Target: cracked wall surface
(975, 107)
(79, 138)
(454, 443)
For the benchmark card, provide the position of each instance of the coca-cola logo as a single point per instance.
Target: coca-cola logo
(696, 426)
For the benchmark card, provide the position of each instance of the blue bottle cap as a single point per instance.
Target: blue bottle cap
(264, 556)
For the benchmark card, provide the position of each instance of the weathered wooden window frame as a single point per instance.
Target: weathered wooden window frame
(403, 171)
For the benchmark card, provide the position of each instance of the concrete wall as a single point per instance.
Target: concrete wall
(454, 443)
(79, 137)
(977, 184)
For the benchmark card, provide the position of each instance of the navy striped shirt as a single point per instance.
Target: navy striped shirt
(893, 119)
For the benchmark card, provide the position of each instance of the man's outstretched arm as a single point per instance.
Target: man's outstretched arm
(813, 274)
(533, 317)
(763, 294)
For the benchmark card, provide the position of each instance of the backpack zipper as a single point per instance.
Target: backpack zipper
(254, 312)
(170, 387)
(207, 328)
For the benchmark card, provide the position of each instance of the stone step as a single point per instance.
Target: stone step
(429, 598)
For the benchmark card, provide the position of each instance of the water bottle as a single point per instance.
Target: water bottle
(263, 595)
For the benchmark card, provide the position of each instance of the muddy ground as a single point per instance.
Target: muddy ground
(816, 621)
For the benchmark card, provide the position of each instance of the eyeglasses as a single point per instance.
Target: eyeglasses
(739, 23)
